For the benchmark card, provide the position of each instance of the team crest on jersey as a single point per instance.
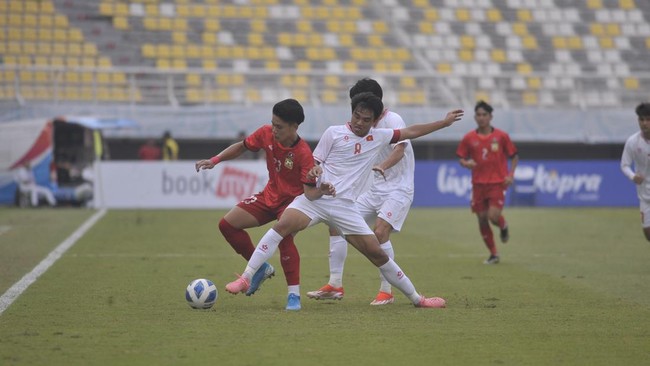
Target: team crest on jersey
(494, 146)
(288, 161)
(369, 138)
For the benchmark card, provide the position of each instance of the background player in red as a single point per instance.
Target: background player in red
(288, 159)
(485, 151)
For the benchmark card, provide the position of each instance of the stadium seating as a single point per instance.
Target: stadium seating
(514, 53)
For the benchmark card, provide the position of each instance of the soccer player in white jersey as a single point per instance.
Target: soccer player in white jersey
(346, 154)
(384, 206)
(637, 152)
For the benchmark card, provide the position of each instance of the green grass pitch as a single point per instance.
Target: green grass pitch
(573, 288)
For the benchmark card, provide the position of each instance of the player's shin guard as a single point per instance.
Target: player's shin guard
(264, 251)
(488, 238)
(290, 260)
(396, 277)
(338, 253)
(238, 239)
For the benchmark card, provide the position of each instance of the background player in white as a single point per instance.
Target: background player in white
(637, 152)
(346, 154)
(385, 205)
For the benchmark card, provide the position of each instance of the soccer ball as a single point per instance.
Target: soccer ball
(201, 294)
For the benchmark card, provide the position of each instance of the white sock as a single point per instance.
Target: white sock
(338, 252)
(398, 278)
(294, 289)
(263, 252)
(384, 286)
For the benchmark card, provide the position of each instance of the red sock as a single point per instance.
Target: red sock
(290, 260)
(238, 239)
(502, 222)
(488, 238)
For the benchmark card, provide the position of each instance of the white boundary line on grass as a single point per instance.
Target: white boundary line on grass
(19, 287)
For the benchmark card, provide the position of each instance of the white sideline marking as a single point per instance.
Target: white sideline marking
(19, 287)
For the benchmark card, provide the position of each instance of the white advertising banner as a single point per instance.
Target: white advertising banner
(176, 184)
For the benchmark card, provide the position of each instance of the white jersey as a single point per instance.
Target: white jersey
(399, 178)
(347, 159)
(637, 152)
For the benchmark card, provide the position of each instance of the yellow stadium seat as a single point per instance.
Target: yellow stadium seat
(193, 79)
(209, 64)
(494, 15)
(61, 21)
(520, 29)
(594, 4)
(631, 83)
(30, 20)
(329, 96)
(90, 49)
(163, 63)
(150, 23)
(45, 20)
(462, 15)
(104, 62)
(498, 55)
(47, 6)
(59, 49)
(529, 42)
(253, 95)
(431, 14)
(426, 27)
(375, 40)
(626, 4)
(467, 41)
(529, 98)
(613, 29)
(524, 68)
(121, 23)
(179, 37)
(350, 66)
(524, 15)
(303, 65)
(534, 83)
(74, 49)
(105, 8)
(163, 51)
(606, 42)
(88, 62)
(444, 68)
(466, 55)
(148, 50)
(103, 78)
(207, 52)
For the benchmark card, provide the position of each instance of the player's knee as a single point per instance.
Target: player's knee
(225, 226)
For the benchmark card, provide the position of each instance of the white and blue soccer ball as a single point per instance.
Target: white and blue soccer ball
(201, 294)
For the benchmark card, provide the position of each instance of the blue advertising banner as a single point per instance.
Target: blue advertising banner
(543, 183)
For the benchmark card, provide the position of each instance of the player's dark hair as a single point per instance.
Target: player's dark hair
(483, 105)
(368, 100)
(643, 110)
(366, 85)
(289, 110)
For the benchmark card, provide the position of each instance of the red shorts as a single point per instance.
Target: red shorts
(486, 195)
(257, 206)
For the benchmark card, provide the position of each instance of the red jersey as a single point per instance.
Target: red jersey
(148, 152)
(287, 166)
(490, 152)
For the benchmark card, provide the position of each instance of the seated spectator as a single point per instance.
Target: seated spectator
(27, 185)
(149, 151)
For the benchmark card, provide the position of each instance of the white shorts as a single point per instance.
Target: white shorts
(645, 213)
(337, 212)
(392, 208)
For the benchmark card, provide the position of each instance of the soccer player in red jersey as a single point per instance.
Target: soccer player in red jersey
(288, 160)
(485, 151)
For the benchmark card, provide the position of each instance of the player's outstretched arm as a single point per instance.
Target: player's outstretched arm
(229, 153)
(418, 130)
